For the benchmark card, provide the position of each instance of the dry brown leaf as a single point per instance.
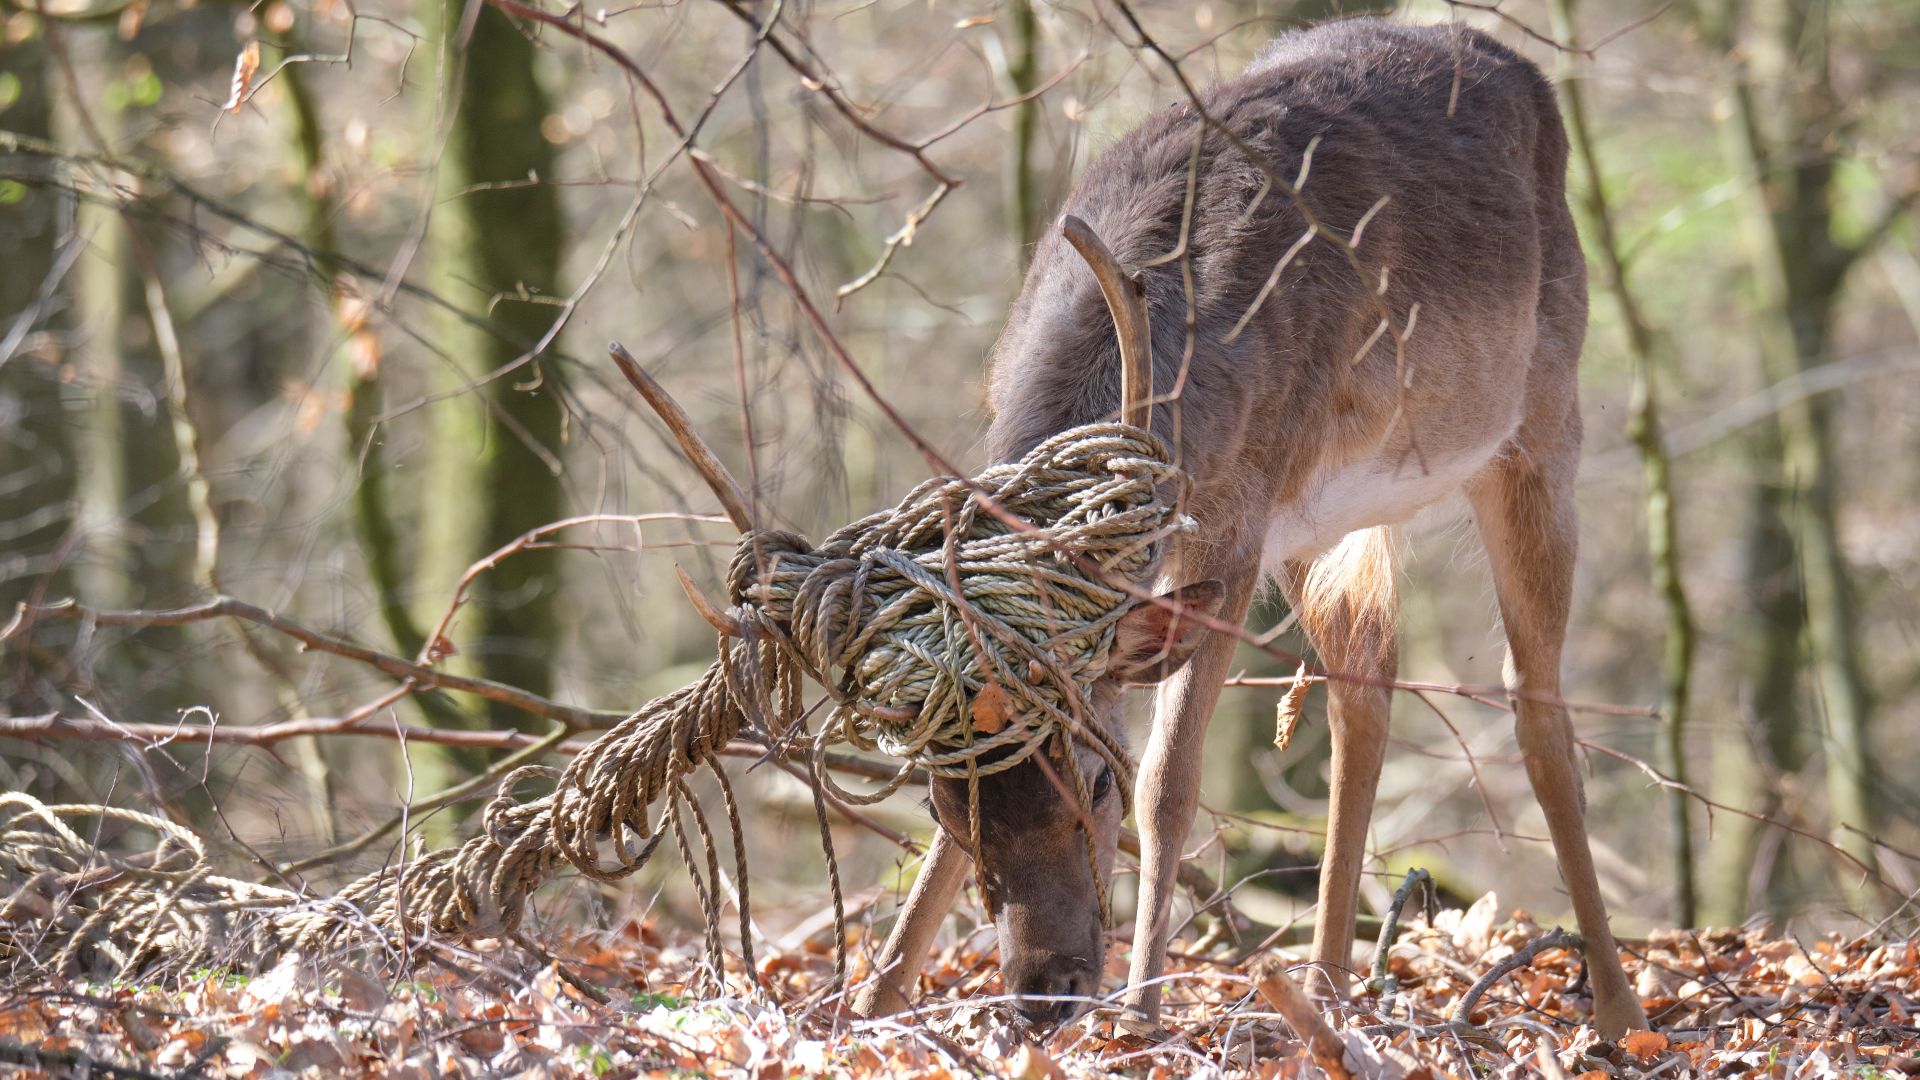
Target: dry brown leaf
(434, 1024)
(131, 18)
(1474, 932)
(1287, 713)
(1643, 1044)
(992, 708)
(364, 353)
(1032, 1063)
(142, 1032)
(245, 67)
(360, 990)
(351, 307)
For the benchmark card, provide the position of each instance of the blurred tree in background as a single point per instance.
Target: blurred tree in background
(495, 235)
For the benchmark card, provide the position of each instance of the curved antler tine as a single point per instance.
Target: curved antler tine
(1127, 303)
(732, 498)
(707, 609)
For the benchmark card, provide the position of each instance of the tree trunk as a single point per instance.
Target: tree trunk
(1023, 71)
(495, 471)
(1663, 533)
(36, 474)
(1800, 269)
(142, 538)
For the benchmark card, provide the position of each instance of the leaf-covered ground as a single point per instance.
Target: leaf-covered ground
(1725, 1003)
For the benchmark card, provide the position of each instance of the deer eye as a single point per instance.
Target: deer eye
(1103, 783)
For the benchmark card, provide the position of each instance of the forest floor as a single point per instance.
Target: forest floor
(1723, 1003)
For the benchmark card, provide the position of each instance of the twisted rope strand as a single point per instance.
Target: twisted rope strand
(904, 617)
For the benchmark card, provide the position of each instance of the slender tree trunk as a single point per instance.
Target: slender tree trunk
(1657, 470)
(372, 514)
(1770, 655)
(99, 287)
(1023, 71)
(1786, 129)
(36, 473)
(496, 240)
(1764, 743)
(373, 519)
(1800, 269)
(144, 516)
(140, 535)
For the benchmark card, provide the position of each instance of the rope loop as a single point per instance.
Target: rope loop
(1013, 579)
(909, 614)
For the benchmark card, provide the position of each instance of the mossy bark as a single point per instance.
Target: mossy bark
(1784, 130)
(495, 242)
(1663, 530)
(36, 439)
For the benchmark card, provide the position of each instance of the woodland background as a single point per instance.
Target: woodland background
(305, 303)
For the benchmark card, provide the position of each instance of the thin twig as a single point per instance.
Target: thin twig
(732, 499)
(432, 648)
(226, 607)
(1380, 982)
(452, 795)
(1557, 938)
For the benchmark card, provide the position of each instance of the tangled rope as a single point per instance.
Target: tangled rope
(906, 617)
(72, 907)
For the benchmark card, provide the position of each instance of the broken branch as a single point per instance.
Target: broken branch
(1285, 997)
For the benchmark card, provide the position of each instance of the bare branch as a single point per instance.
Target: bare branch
(435, 643)
(732, 498)
(706, 608)
(1285, 997)
(226, 607)
(466, 789)
(1556, 939)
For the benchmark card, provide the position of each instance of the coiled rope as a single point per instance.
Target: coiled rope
(906, 618)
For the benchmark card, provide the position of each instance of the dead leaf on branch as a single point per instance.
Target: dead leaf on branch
(245, 67)
(1287, 713)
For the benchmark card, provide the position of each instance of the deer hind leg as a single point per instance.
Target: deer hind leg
(1523, 506)
(905, 953)
(1347, 602)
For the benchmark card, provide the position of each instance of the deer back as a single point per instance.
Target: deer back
(1447, 144)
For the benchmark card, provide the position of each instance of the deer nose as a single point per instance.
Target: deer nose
(1052, 994)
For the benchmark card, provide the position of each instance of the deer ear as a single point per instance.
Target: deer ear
(1152, 642)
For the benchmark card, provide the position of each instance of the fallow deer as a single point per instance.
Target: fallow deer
(1329, 359)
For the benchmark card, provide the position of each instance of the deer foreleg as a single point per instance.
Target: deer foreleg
(1168, 788)
(895, 972)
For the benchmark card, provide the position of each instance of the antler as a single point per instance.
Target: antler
(732, 500)
(711, 468)
(1126, 299)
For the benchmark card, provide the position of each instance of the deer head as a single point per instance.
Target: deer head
(1040, 821)
(1034, 828)
(1032, 857)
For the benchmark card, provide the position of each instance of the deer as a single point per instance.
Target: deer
(1386, 310)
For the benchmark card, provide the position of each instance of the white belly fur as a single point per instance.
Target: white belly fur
(1362, 494)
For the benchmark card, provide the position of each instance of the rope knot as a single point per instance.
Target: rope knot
(958, 631)
(1015, 579)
